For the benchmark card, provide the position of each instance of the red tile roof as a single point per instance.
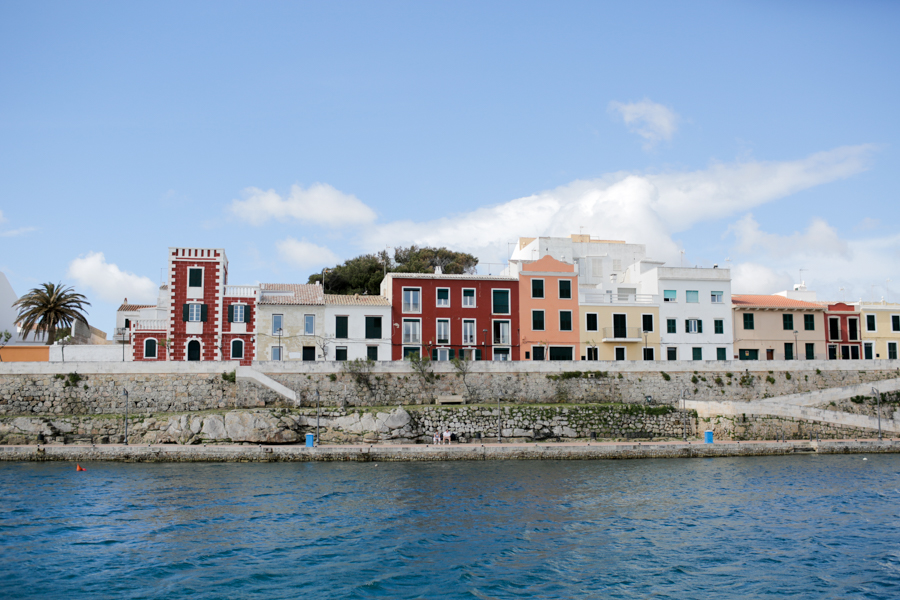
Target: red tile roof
(291, 293)
(773, 301)
(356, 300)
(133, 307)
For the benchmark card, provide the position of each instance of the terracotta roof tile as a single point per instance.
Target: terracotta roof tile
(132, 307)
(291, 293)
(356, 300)
(450, 276)
(773, 301)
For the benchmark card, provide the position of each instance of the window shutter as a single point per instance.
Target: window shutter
(699, 326)
(186, 312)
(434, 354)
(247, 312)
(203, 313)
(687, 325)
(231, 313)
(477, 354)
(452, 354)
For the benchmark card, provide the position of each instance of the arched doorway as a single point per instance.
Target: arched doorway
(193, 350)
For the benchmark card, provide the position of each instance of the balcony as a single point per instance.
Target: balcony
(241, 291)
(617, 298)
(622, 334)
(122, 335)
(150, 324)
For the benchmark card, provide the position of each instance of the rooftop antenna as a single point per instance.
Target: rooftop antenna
(801, 275)
(842, 293)
(887, 288)
(682, 258)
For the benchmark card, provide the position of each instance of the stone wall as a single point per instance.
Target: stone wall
(285, 426)
(760, 427)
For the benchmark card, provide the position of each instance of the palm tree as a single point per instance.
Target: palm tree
(49, 307)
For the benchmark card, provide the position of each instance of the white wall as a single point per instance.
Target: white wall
(7, 312)
(357, 343)
(704, 281)
(90, 353)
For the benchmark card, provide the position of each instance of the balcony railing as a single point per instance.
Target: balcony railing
(612, 334)
(150, 325)
(241, 291)
(616, 298)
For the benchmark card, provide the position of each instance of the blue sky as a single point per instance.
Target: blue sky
(297, 134)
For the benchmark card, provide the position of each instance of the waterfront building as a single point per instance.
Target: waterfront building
(843, 331)
(619, 326)
(880, 329)
(776, 327)
(357, 327)
(292, 322)
(447, 316)
(548, 309)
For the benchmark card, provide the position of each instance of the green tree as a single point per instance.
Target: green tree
(5, 336)
(46, 308)
(364, 273)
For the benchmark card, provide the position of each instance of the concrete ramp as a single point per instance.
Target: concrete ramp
(251, 374)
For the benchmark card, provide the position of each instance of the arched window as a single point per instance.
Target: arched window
(149, 348)
(237, 349)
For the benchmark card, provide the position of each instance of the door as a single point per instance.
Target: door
(620, 353)
(309, 353)
(619, 327)
(770, 354)
(868, 351)
(193, 350)
(854, 352)
(671, 353)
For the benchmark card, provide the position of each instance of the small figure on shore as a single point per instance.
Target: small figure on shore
(447, 436)
(436, 438)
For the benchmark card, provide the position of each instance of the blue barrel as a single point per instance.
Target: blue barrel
(310, 440)
(708, 436)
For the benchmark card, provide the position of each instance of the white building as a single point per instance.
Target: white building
(357, 327)
(291, 322)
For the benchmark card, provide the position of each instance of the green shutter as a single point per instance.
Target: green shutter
(720, 354)
(186, 312)
(477, 354)
(434, 354)
(453, 354)
(203, 313)
(231, 313)
(340, 328)
(699, 326)
(687, 325)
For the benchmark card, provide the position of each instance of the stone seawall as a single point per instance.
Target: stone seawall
(95, 388)
(375, 454)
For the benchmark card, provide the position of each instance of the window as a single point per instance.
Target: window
(309, 324)
(647, 323)
(845, 352)
(692, 296)
(340, 353)
(716, 297)
(501, 302)
(648, 354)
(468, 298)
(195, 277)
(853, 330)
(557, 353)
(868, 352)
(719, 326)
(537, 353)
(410, 351)
(721, 354)
(468, 331)
(537, 320)
(276, 324)
(787, 322)
(810, 352)
(697, 353)
(870, 322)
(788, 352)
(669, 296)
(854, 352)
(195, 313)
(412, 331)
(237, 349)
(501, 332)
(693, 326)
(834, 328)
(443, 331)
(748, 320)
(537, 288)
(892, 350)
(593, 353)
(441, 354)
(340, 328)
(565, 320)
(565, 289)
(895, 322)
(809, 322)
(671, 327)
(671, 353)
(443, 297)
(620, 353)
(748, 354)
(276, 352)
(127, 323)
(592, 323)
(620, 326)
(149, 348)
(373, 328)
(372, 352)
(309, 353)
(501, 354)
(832, 352)
(236, 313)
(411, 300)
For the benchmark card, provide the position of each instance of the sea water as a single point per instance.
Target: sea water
(773, 527)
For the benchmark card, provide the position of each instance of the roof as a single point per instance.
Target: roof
(771, 301)
(451, 276)
(133, 307)
(356, 300)
(291, 293)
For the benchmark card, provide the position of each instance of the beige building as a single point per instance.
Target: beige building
(778, 328)
(291, 322)
(880, 329)
(621, 331)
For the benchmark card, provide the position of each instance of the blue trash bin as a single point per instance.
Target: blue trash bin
(310, 440)
(708, 436)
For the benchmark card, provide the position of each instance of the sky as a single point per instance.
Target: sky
(761, 136)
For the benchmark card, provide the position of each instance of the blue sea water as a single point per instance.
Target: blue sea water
(799, 527)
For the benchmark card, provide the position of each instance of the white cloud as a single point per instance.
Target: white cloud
(653, 122)
(2, 218)
(319, 204)
(640, 208)
(754, 278)
(867, 224)
(305, 254)
(109, 282)
(17, 232)
(820, 239)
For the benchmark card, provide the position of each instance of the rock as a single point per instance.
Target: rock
(214, 428)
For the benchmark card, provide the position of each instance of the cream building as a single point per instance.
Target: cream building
(776, 327)
(624, 330)
(291, 322)
(880, 329)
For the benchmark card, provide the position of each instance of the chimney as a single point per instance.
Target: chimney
(125, 301)
(438, 270)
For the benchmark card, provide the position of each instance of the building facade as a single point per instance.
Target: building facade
(774, 327)
(843, 331)
(292, 322)
(548, 309)
(358, 327)
(881, 329)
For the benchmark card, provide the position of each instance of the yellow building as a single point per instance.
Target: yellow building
(620, 328)
(880, 329)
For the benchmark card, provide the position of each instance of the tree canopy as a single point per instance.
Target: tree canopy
(364, 273)
(46, 308)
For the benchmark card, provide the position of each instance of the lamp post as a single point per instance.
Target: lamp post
(485, 344)
(280, 348)
(317, 416)
(878, 399)
(122, 331)
(126, 416)
(796, 346)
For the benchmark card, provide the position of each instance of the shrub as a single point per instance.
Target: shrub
(332, 376)
(787, 375)
(230, 376)
(770, 379)
(694, 379)
(719, 381)
(729, 375)
(665, 375)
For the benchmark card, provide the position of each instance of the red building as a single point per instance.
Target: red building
(448, 316)
(204, 317)
(843, 334)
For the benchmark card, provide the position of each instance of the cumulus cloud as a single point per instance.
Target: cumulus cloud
(320, 204)
(109, 282)
(820, 239)
(754, 278)
(653, 122)
(304, 254)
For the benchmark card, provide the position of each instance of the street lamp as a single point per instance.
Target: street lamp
(796, 346)
(485, 344)
(126, 416)
(878, 398)
(280, 348)
(121, 331)
(317, 416)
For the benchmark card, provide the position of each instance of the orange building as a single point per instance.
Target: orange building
(548, 310)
